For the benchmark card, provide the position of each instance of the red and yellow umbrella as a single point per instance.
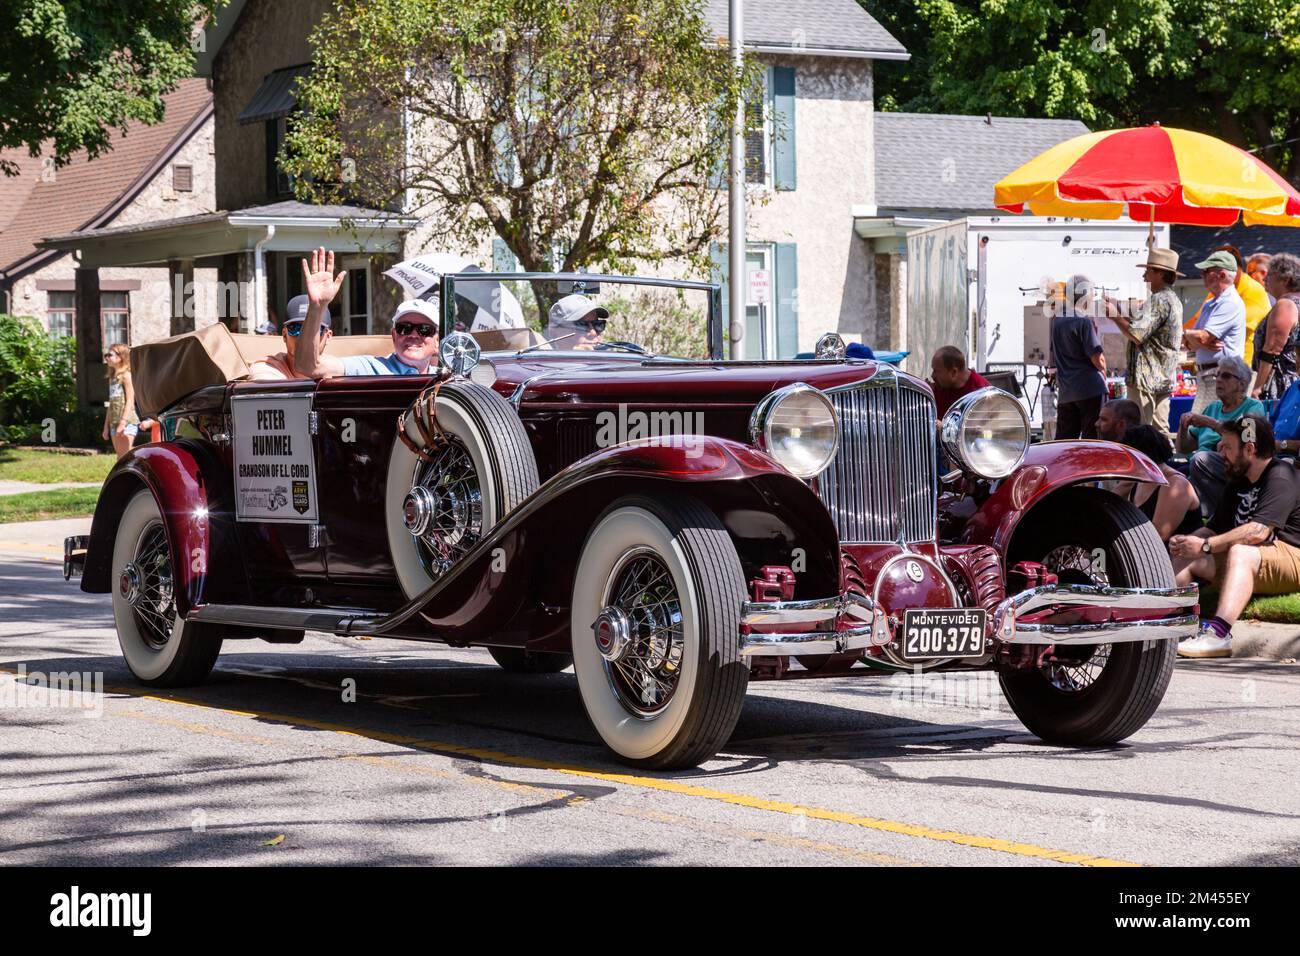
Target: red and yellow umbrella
(1158, 174)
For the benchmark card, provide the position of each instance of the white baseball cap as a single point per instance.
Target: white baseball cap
(572, 309)
(423, 307)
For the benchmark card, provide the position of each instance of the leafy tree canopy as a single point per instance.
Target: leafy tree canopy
(1228, 67)
(72, 71)
(582, 133)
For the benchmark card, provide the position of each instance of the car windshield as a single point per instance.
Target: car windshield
(596, 314)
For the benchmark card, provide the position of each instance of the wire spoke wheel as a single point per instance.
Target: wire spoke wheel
(153, 603)
(450, 484)
(645, 677)
(160, 646)
(1074, 669)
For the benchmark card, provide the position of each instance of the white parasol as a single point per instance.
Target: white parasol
(497, 306)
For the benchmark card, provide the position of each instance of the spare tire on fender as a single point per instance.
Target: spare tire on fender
(481, 466)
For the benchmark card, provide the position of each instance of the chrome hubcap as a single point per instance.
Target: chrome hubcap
(639, 633)
(613, 633)
(145, 583)
(417, 510)
(443, 511)
(128, 584)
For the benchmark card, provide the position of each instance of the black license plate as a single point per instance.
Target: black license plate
(943, 633)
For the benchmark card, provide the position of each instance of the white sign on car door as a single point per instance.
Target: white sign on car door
(275, 475)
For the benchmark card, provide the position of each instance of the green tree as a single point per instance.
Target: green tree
(35, 372)
(581, 134)
(72, 71)
(1227, 67)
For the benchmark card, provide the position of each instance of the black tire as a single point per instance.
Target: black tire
(160, 648)
(516, 660)
(1132, 682)
(700, 712)
(489, 429)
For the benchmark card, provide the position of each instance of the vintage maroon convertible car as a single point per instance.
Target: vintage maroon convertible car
(673, 529)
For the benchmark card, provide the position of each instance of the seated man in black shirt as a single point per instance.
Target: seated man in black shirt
(1252, 544)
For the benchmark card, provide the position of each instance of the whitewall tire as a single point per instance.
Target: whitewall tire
(655, 632)
(161, 648)
(486, 471)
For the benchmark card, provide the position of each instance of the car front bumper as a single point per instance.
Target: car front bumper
(1151, 614)
(852, 622)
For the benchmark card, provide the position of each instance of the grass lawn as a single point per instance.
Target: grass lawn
(45, 467)
(39, 505)
(1275, 608)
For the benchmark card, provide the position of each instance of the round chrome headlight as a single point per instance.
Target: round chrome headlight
(459, 352)
(986, 432)
(798, 427)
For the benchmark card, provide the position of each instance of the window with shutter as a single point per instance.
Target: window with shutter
(182, 178)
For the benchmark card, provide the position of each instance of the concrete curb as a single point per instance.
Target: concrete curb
(1261, 639)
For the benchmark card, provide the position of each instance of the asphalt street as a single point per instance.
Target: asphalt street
(386, 752)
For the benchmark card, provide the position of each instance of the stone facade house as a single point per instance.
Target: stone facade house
(152, 172)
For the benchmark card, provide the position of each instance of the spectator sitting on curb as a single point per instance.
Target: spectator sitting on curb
(1252, 544)
(1116, 417)
(951, 378)
(1173, 508)
(1199, 433)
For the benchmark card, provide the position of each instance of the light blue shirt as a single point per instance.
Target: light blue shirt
(1224, 317)
(373, 365)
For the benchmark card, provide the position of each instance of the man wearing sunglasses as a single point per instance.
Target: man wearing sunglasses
(279, 367)
(575, 322)
(415, 331)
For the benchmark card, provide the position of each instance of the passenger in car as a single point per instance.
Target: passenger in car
(575, 322)
(279, 367)
(415, 330)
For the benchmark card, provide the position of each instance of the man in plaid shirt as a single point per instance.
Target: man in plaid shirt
(1154, 337)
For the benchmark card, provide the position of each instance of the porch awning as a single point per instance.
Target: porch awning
(281, 227)
(275, 97)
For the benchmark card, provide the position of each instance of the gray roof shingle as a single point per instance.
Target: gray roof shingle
(941, 161)
(820, 25)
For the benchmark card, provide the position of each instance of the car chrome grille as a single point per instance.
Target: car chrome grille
(882, 484)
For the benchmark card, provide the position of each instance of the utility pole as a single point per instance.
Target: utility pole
(736, 248)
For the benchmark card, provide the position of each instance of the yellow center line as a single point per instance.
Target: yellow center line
(680, 788)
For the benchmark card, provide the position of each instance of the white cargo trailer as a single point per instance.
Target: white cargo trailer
(984, 284)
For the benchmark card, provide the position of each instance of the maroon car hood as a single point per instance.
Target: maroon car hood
(567, 379)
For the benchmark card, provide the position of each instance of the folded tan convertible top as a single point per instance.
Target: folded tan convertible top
(167, 371)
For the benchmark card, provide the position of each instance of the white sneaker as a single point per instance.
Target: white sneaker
(1206, 644)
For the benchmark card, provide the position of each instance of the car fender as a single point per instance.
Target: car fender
(1049, 467)
(192, 491)
(535, 549)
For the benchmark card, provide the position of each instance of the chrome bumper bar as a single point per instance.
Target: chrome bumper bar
(1179, 621)
(853, 622)
(835, 625)
(74, 555)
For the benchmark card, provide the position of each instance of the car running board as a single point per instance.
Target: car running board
(331, 620)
